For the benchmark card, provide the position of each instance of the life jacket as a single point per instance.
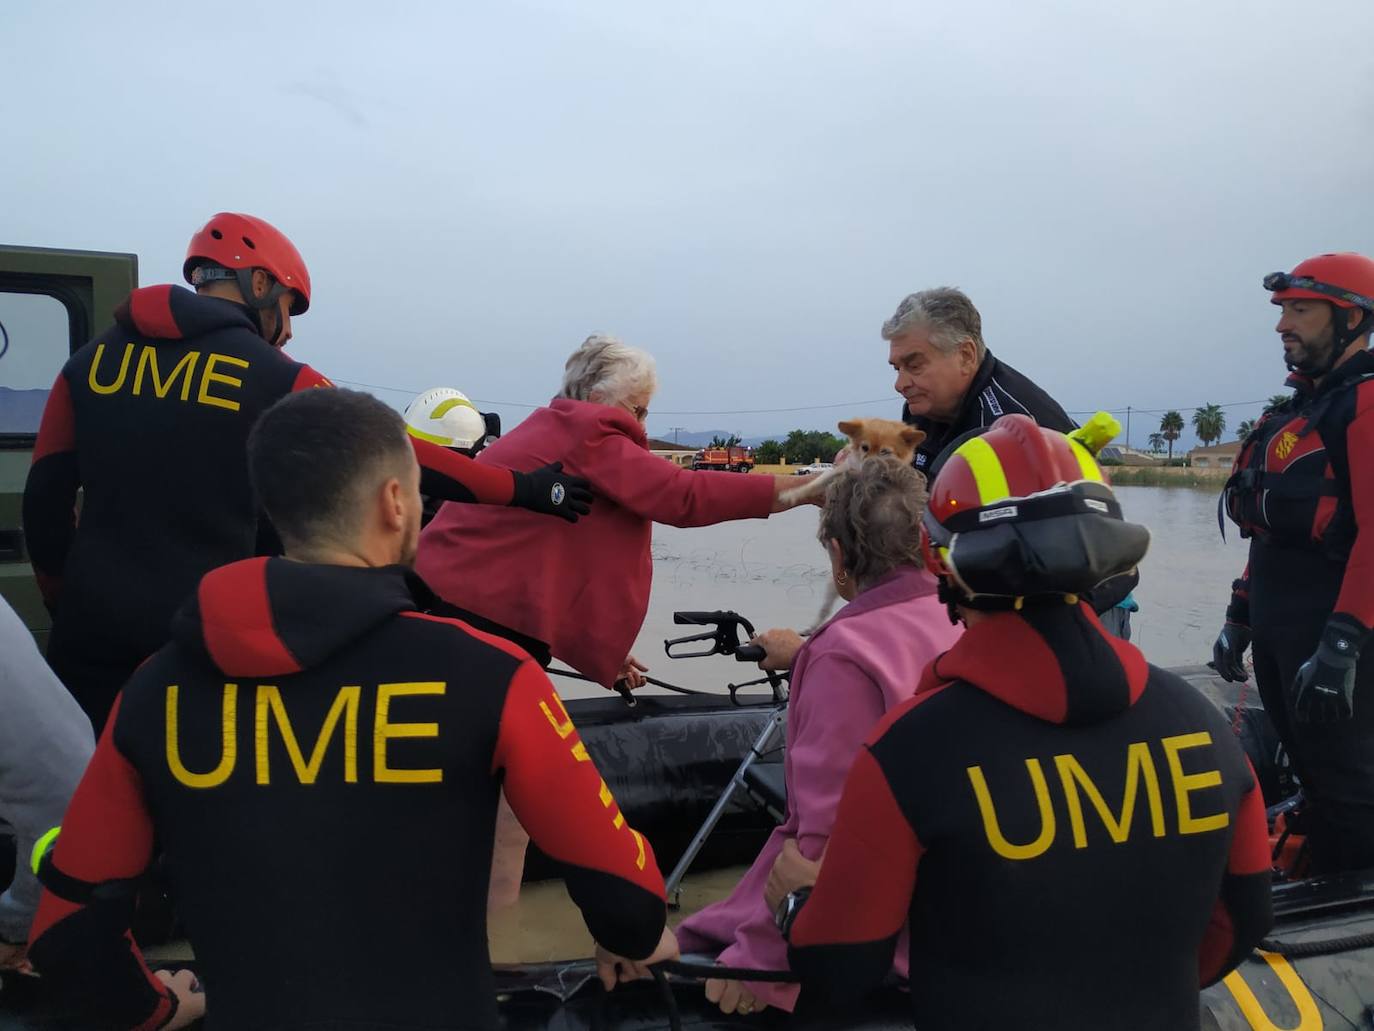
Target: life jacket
(1290, 483)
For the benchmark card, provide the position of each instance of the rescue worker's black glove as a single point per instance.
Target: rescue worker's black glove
(550, 491)
(1324, 690)
(1228, 653)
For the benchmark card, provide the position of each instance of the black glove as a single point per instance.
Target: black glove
(1228, 654)
(550, 491)
(1324, 690)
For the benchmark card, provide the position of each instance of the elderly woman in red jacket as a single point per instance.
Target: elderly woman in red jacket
(580, 592)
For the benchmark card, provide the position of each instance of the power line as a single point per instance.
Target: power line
(1175, 408)
(798, 408)
(656, 411)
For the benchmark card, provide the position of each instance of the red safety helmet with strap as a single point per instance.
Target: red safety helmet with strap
(1021, 513)
(1344, 280)
(242, 243)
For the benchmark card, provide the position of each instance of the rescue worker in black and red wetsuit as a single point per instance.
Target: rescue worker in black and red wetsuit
(1073, 837)
(149, 421)
(1302, 490)
(320, 762)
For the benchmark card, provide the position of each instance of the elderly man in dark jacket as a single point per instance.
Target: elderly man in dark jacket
(954, 385)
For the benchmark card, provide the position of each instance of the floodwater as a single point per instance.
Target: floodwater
(774, 573)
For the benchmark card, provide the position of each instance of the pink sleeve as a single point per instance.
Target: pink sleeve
(656, 489)
(836, 710)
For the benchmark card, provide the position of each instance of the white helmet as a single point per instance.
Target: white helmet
(444, 416)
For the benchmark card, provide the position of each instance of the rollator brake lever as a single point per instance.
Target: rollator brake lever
(725, 638)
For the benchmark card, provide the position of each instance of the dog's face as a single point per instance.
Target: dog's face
(868, 437)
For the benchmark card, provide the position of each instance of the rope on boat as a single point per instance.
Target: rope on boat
(574, 675)
(703, 971)
(1325, 947)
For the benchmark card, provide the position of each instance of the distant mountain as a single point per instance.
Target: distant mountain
(21, 410)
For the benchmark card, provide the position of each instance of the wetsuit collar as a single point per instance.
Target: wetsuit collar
(268, 617)
(1053, 662)
(174, 313)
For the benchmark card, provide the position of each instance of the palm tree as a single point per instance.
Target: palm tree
(1210, 423)
(1276, 400)
(1156, 443)
(1244, 429)
(1169, 428)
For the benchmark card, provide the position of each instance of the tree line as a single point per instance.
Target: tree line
(1209, 423)
(799, 447)
(802, 446)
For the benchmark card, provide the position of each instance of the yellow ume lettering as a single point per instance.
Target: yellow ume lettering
(384, 730)
(1139, 766)
(345, 705)
(212, 390)
(93, 377)
(562, 725)
(211, 376)
(228, 741)
(1187, 823)
(269, 710)
(993, 830)
(1075, 783)
(147, 362)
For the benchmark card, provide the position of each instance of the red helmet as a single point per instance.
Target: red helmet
(244, 242)
(1345, 280)
(1024, 512)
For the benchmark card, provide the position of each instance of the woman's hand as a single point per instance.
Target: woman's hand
(732, 997)
(791, 870)
(15, 956)
(632, 672)
(781, 646)
(190, 997)
(613, 969)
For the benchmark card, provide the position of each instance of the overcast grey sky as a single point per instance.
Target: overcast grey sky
(744, 189)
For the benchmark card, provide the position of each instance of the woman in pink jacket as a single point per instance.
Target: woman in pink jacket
(866, 660)
(580, 591)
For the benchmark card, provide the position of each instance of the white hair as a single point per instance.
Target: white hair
(609, 369)
(945, 313)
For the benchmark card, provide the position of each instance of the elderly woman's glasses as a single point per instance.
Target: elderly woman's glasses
(640, 411)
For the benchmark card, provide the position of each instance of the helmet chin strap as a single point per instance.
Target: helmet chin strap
(1342, 336)
(261, 306)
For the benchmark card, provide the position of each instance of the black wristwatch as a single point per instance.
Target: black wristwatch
(788, 909)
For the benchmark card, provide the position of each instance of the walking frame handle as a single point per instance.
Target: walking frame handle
(725, 638)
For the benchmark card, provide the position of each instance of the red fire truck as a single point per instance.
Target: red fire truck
(728, 459)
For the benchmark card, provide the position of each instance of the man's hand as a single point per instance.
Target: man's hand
(1324, 691)
(781, 646)
(791, 870)
(190, 997)
(1228, 654)
(632, 673)
(550, 491)
(15, 956)
(612, 968)
(732, 997)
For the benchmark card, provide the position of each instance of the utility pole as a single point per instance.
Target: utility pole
(1128, 427)
(675, 431)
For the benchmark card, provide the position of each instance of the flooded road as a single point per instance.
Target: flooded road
(774, 573)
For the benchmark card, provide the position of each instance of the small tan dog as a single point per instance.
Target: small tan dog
(867, 438)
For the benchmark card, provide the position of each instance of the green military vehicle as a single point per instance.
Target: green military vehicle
(51, 303)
